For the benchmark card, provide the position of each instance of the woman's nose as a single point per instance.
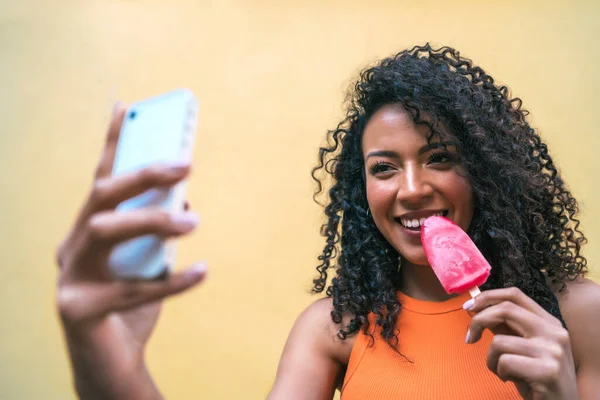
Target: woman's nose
(414, 185)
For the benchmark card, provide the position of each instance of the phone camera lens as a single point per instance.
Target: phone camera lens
(132, 114)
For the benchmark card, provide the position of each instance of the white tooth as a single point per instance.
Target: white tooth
(403, 221)
(421, 221)
(415, 223)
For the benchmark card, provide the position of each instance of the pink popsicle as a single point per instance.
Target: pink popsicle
(456, 261)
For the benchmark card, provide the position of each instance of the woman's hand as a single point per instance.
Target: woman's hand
(530, 347)
(108, 322)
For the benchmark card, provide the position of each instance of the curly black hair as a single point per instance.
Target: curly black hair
(524, 221)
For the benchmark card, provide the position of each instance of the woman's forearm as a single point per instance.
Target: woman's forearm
(98, 376)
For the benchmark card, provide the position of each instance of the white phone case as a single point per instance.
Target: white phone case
(155, 130)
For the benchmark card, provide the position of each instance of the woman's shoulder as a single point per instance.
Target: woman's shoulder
(317, 319)
(314, 358)
(580, 307)
(580, 297)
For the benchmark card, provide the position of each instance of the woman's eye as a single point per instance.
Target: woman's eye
(441, 158)
(379, 168)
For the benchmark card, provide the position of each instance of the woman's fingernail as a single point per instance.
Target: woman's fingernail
(196, 270)
(195, 273)
(469, 304)
(185, 221)
(117, 106)
(178, 165)
(468, 335)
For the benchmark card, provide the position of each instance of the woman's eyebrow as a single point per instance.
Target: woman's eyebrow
(437, 145)
(383, 153)
(427, 147)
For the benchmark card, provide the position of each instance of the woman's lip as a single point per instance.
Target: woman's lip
(411, 232)
(423, 214)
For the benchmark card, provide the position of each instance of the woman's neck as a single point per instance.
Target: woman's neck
(420, 282)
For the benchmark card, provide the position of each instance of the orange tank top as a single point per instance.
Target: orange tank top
(437, 364)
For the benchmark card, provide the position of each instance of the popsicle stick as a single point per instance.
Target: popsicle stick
(474, 291)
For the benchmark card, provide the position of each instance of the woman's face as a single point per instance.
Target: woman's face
(409, 180)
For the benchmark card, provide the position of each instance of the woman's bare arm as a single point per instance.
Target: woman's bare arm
(313, 357)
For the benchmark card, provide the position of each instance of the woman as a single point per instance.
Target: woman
(426, 133)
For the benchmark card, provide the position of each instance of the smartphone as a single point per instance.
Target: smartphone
(155, 130)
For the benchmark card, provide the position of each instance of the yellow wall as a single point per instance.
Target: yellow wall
(270, 75)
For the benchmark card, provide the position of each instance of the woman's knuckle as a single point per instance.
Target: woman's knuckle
(562, 337)
(95, 228)
(66, 303)
(514, 292)
(506, 307)
(552, 370)
(502, 367)
(129, 291)
(555, 351)
(100, 192)
(497, 341)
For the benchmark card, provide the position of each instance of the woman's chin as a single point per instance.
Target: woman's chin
(415, 257)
